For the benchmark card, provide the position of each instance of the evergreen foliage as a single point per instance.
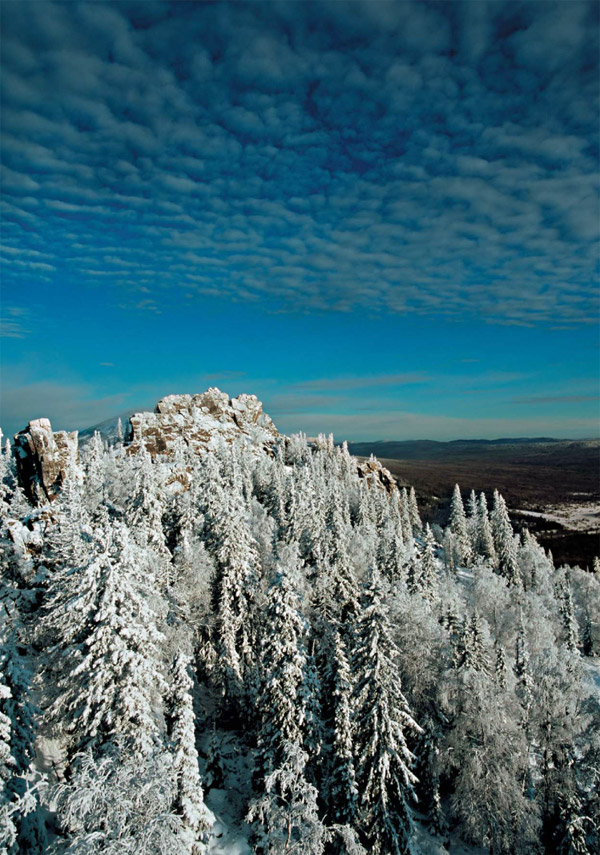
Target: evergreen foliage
(381, 719)
(274, 629)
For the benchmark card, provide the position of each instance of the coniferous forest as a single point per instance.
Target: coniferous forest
(265, 650)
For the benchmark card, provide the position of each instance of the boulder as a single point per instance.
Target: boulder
(375, 473)
(45, 459)
(199, 421)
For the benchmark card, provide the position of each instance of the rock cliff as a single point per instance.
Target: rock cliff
(375, 473)
(45, 459)
(199, 421)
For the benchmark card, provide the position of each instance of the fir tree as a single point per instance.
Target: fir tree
(458, 527)
(381, 718)
(341, 786)
(485, 541)
(281, 706)
(504, 542)
(107, 654)
(190, 799)
(413, 510)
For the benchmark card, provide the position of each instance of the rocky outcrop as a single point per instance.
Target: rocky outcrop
(199, 421)
(45, 459)
(375, 473)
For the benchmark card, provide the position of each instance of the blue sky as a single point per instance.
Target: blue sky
(382, 218)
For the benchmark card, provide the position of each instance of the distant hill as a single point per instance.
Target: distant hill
(108, 428)
(428, 449)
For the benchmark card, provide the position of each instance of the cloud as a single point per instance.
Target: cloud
(223, 376)
(345, 383)
(68, 406)
(557, 399)
(13, 323)
(383, 425)
(387, 157)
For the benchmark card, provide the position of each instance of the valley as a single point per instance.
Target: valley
(551, 486)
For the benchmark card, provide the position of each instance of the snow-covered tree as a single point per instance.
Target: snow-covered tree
(106, 656)
(413, 510)
(21, 826)
(459, 529)
(381, 721)
(486, 751)
(504, 541)
(286, 816)
(405, 517)
(190, 798)
(484, 538)
(422, 574)
(342, 793)
(236, 583)
(567, 612)
(281, 705)
(120, 804)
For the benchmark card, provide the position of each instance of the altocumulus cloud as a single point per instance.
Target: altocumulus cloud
(400, 157)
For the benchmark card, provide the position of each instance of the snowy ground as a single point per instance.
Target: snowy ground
(593, 667)
(429, 845)
(584, 517)
(230, 804)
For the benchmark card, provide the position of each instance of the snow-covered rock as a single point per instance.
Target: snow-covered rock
(375, 473)
(199, 421)
(45, 459)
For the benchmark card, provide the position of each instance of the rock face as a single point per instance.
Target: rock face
(374, 472)
(45, 459)
(199, 421)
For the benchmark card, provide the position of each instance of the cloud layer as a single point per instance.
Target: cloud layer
(392, 157)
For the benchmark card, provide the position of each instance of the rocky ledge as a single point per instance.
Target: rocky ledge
(199, 421)
(45, 459)
(374, 473)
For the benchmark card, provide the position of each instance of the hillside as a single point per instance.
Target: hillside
(556, 479)
(220, 639)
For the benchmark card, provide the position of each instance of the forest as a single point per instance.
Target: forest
(275, 632)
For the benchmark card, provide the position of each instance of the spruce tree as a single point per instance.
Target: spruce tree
(405, 518)
(236, 555)
(413, 510)
(504, 541)
(485, 540)
(458, 528)
(341, 785)
(381, 719)
(281, 707)
(285, 812)
(106, 654)
(190, 799)
(428, 580)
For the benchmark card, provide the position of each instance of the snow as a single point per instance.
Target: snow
(593, 667)
(429, 844)
(228, 838)
(584, 517)
(229, 834)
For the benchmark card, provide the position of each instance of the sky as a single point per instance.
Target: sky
(380, 217)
